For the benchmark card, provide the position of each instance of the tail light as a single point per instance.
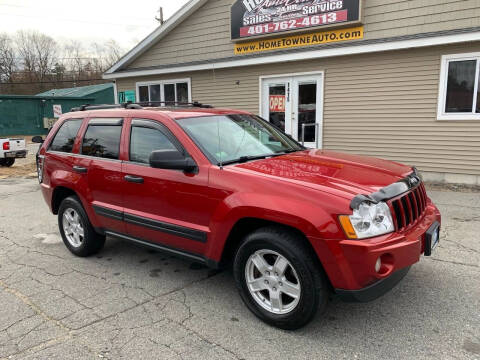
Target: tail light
(40, 166)
(6, 145)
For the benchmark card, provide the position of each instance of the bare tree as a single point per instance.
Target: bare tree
(7, 58)
(113, 52)
(31, 62)
(46, 51)
(74, 57)
(98, 60)
(37, 52)
(26, 53)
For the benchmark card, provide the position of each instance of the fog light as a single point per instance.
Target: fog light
(378, 265)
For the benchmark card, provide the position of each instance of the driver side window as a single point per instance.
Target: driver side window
(144, 140)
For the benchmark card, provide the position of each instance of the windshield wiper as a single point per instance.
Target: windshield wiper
(289, 151)
(244, 159)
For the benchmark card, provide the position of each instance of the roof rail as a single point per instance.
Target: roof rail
(87, 107)
(174, 103)
(141, 105)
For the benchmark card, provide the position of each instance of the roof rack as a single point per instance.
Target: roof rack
(174, 103)
(141, 105)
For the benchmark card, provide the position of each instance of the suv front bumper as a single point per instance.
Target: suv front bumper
(373, 291)
(351, 264)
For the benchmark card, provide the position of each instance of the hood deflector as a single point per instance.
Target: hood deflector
(390, 191)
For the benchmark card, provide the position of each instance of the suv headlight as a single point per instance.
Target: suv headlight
(367, 221)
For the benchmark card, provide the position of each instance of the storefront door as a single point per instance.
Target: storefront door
(295, 105)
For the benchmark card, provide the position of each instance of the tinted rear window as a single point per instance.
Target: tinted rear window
(65, 137)
(102, 141)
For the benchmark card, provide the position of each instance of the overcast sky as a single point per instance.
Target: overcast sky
(126, 21)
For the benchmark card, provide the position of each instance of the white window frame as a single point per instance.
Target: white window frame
(442, 96)
(162, 84)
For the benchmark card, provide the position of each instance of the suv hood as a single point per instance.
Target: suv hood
(351, 174)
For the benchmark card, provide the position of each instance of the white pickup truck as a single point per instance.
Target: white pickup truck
(11, 149)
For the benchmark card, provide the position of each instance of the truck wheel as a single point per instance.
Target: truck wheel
(2, 162)
(279, 279)
(78, 234)
(9, 162)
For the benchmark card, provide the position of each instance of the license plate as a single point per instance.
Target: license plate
(10, 155)
(432, 238)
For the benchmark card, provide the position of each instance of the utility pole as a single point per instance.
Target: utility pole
(159, 18)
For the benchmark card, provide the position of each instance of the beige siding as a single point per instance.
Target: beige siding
(378, 104)
(205, 35)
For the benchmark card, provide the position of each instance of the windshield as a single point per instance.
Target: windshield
(228, 139)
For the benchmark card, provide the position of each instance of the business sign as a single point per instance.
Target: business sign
(49, 122)
(126, 96)
(285, 42)
(251, 18)
(277, 103)
(57, 111)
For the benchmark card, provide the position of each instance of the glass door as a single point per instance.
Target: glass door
(294, 104)
(307, 110)
(276, 103)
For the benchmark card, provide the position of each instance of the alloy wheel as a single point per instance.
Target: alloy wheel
(272, 281)
(73, 228)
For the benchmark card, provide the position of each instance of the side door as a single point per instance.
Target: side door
(99, 163)
(166, 207)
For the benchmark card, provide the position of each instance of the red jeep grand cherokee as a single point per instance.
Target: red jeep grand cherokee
(226, 187)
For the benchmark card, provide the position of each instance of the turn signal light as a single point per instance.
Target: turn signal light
(6, 145)
(347, 226)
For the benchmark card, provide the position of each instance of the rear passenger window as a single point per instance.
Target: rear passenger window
(65, 137)
(144, 140)
(102, 139)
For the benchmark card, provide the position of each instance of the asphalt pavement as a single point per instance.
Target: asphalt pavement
(131, 303)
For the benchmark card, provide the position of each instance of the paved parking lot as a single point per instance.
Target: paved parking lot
(131, 303)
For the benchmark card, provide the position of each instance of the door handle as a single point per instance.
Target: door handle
(80, 169)
(134, 179)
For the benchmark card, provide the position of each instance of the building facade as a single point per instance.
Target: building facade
(393, 79)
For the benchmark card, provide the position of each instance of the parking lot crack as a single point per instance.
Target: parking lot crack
(457, 205)
(458, 244)
(455, 262)
(206, 340)
(25, 299)
(47, 319)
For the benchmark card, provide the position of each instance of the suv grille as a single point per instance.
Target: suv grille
(409, 207)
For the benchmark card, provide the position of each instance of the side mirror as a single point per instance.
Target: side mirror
(37, 140)
(172, 160)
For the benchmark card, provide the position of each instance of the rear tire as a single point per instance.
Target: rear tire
(77, 232)
(292, 286)
(9, 162)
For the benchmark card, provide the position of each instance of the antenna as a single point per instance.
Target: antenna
(160, 17)
(220, 152)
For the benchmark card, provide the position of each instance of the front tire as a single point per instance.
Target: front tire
(279, 278)
(77, 232)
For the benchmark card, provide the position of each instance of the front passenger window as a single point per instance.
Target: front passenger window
(144, 140)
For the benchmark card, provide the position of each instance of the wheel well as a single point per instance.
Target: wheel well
(59, 194)
(245, 226)
(248, 225)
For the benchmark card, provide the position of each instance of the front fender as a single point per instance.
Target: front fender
(309, 218)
